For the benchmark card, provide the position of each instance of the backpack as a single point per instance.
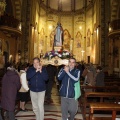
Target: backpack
(77, 90)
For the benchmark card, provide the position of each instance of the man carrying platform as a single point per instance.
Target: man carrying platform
(69, 75)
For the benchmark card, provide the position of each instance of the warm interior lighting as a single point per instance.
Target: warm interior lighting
(82, 51)
(20, 27)
(110, 29)
(50, 27)
(10, 56)
(80, 27)
(82, 54)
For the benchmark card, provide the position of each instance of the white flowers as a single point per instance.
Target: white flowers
(61, 54)
(65, 53)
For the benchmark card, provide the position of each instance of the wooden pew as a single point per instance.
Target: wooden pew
(112, 83)
(112, 79)
(95, 88)
(107, 82)
(84, 103)
(104, 107)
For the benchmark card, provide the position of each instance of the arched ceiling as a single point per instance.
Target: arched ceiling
(63, 6)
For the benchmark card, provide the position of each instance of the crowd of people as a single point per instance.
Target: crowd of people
(37, 81)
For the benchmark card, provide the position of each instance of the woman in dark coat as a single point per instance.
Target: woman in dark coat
(99, 79)
(10, 86)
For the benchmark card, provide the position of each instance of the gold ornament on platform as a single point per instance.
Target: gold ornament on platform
(56, 61)
(56, 58)
(2, 6)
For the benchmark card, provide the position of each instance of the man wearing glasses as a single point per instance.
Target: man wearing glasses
(69, 75)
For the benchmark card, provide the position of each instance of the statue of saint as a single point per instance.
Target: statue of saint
(58, 38)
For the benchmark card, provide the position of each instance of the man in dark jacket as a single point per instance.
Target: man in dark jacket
(10, 85)
(69, 75)
(37, 75)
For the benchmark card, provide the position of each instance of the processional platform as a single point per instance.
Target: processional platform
(56, 57)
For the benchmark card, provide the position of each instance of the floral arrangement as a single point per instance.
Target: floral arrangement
(60, 54)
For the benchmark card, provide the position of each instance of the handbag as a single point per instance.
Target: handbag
(77, 90)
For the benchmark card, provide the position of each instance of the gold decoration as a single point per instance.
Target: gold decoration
(56, 61)
(2, 6)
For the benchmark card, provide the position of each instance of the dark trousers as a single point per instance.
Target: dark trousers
(10, 115)
(0, 116)
(49, 89)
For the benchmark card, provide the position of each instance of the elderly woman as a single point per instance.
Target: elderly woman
(10, 86)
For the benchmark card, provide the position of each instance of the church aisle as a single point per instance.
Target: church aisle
(52, 111)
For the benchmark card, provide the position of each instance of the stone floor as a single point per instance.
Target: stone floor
(52, 111)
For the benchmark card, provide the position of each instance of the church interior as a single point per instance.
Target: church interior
(90, 33)
(90, 28)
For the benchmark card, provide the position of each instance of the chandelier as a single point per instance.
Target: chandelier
(2, 6)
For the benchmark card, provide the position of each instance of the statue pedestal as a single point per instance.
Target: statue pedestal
(57, 48)
(56, 61)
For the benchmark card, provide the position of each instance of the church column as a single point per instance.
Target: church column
(73, 36)
(47, 26)
(119, 62)
(25, 30)
(102, 32)
(93, 56)
(85, 48)
(107, 19)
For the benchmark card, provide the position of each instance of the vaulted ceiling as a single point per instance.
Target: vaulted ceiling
(64, 5)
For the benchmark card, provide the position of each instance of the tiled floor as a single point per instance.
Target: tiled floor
(52, 111)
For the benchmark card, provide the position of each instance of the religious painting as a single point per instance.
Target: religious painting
(88, 37)
(78, 38)
(42, 36)
(67, 37)
(52, 34)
